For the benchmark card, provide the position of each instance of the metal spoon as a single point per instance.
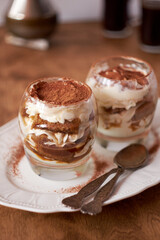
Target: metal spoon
(75, 201)
(131, 157)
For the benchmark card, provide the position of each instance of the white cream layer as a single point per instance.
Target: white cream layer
(114, 95)
(124, 131)
(60, 113)
(123, 121)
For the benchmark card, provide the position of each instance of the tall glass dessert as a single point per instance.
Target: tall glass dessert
(57, 119)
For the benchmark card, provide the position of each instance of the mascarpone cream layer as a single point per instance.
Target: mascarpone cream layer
(119, 124)
(115, 95)
(56, 114)
(124, 130)
(59, 114)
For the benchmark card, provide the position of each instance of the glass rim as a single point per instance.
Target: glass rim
(150, 69)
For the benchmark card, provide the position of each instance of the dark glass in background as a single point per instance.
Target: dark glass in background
(150, 27)
(115, 14)
(115, 21)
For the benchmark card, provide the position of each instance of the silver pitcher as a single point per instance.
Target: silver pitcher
(31, 19)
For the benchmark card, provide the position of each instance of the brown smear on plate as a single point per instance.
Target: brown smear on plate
(17, 152)
(99, 169)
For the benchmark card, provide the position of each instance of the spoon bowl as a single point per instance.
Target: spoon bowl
(131, 157)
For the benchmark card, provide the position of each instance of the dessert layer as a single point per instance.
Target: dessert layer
(68, 154)
(123, 123)
(67, 127)
(58, 101)
(121, 86)
(60, 113)
(143, 109)
(60, 92)
(122, 73)
(57, 138)
(115, 96)
(124, 129)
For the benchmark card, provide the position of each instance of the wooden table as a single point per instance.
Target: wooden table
(75, 48)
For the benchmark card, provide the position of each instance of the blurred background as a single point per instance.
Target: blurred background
(86, 31)
(78, 10)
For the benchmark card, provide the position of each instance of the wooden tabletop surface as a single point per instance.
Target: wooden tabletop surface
(75, 48)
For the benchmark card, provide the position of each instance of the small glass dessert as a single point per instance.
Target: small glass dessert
(57, 118)
(126, 92)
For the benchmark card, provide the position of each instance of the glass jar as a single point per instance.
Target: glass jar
(57, 119)
(126, 92)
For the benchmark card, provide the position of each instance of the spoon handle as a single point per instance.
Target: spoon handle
(102, 195)
(75, 201)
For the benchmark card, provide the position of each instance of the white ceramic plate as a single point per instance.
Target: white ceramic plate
(21, 188)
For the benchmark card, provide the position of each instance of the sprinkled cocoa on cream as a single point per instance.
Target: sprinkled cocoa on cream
(120, 73)
(60, 92)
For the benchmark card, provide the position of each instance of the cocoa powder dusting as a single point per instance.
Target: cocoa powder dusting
(100, 168)
(17, 152)
(61, 92)
(119, 73)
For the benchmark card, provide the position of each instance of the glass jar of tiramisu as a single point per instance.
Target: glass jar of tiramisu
(126, 92)
(57, 119)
